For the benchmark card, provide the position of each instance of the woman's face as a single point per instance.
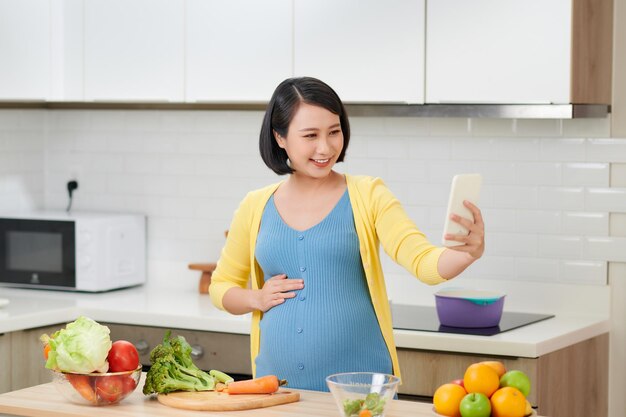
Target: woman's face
(314, 141)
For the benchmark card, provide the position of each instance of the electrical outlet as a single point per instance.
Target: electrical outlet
(72, 186)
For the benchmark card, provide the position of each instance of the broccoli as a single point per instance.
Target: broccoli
(173, 369)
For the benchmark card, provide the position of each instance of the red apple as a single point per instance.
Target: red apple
(458, 382)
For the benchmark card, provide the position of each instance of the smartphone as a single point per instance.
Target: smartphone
(464, 187)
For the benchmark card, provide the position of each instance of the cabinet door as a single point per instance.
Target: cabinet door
(237, 49)
(5, 362)
(227, 352)
(24, 49)
(27, 361)
(134, 50)
(560, 380)
(367, 50)
(498, 51)
(66, 43)
(424, 371)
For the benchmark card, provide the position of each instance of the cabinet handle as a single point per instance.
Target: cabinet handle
(142, 347)
(197, 351)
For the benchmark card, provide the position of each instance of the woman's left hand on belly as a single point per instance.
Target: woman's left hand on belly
(276, 290)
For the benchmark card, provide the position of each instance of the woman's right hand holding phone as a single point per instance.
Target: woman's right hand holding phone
(276, 290)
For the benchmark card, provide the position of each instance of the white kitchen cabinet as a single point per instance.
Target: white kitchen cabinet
(510, 51)
(237, 50)
(41, 50)
(25, 49)
(367, 50)
(498, 51)
(66, 43)
(134, 50)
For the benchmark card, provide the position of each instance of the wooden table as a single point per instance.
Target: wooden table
(45, 401)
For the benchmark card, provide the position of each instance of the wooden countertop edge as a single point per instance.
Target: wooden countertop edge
(45, 401)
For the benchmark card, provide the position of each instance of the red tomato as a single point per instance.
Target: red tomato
(109, 388)
(123, 356)
(128, 384)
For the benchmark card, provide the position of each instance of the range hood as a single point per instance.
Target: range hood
(498, 111)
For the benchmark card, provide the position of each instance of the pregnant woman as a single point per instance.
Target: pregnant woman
(309, 247)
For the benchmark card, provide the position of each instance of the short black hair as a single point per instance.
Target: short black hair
(281, 110)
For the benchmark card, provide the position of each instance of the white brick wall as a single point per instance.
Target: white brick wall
(546, 197)
(22, 159)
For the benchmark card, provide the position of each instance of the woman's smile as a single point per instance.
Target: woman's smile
(321, 163)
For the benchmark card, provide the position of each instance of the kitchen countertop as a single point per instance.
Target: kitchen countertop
(44, 401)
(186, 309)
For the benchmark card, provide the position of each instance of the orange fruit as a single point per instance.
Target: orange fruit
(481, 378)
(529, 409)
(508, 402)
(497, 366)
(447, 399)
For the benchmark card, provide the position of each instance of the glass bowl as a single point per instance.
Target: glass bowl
(356, 391)
(96, 388)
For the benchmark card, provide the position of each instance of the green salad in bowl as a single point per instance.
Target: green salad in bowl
(362, 394)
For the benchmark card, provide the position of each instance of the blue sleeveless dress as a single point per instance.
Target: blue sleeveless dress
(330, 326)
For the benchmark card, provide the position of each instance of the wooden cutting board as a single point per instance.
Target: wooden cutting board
(221, 401)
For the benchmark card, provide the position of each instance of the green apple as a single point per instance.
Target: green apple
(475, 405)
(516, 379)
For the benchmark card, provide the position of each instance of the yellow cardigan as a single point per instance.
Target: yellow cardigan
(379, 219)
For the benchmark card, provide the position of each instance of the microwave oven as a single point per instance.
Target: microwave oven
(76, 251)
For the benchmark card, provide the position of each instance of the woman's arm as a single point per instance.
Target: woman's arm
(229, 283)
(409, 247)
(455, 259)
(451, 263)
(240, 300)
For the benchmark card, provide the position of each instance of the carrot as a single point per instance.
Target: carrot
(46, 351)
(365, 413)
(263, 385)
(82, 385)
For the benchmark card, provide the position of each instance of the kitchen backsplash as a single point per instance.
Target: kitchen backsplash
(546, 197)
(22, 155)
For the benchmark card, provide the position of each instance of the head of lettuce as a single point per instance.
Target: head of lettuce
(82, 347)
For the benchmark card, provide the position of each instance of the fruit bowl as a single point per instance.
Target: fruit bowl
(96, 388)
(356, 391)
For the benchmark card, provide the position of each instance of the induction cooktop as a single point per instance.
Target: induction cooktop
(424, 318)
